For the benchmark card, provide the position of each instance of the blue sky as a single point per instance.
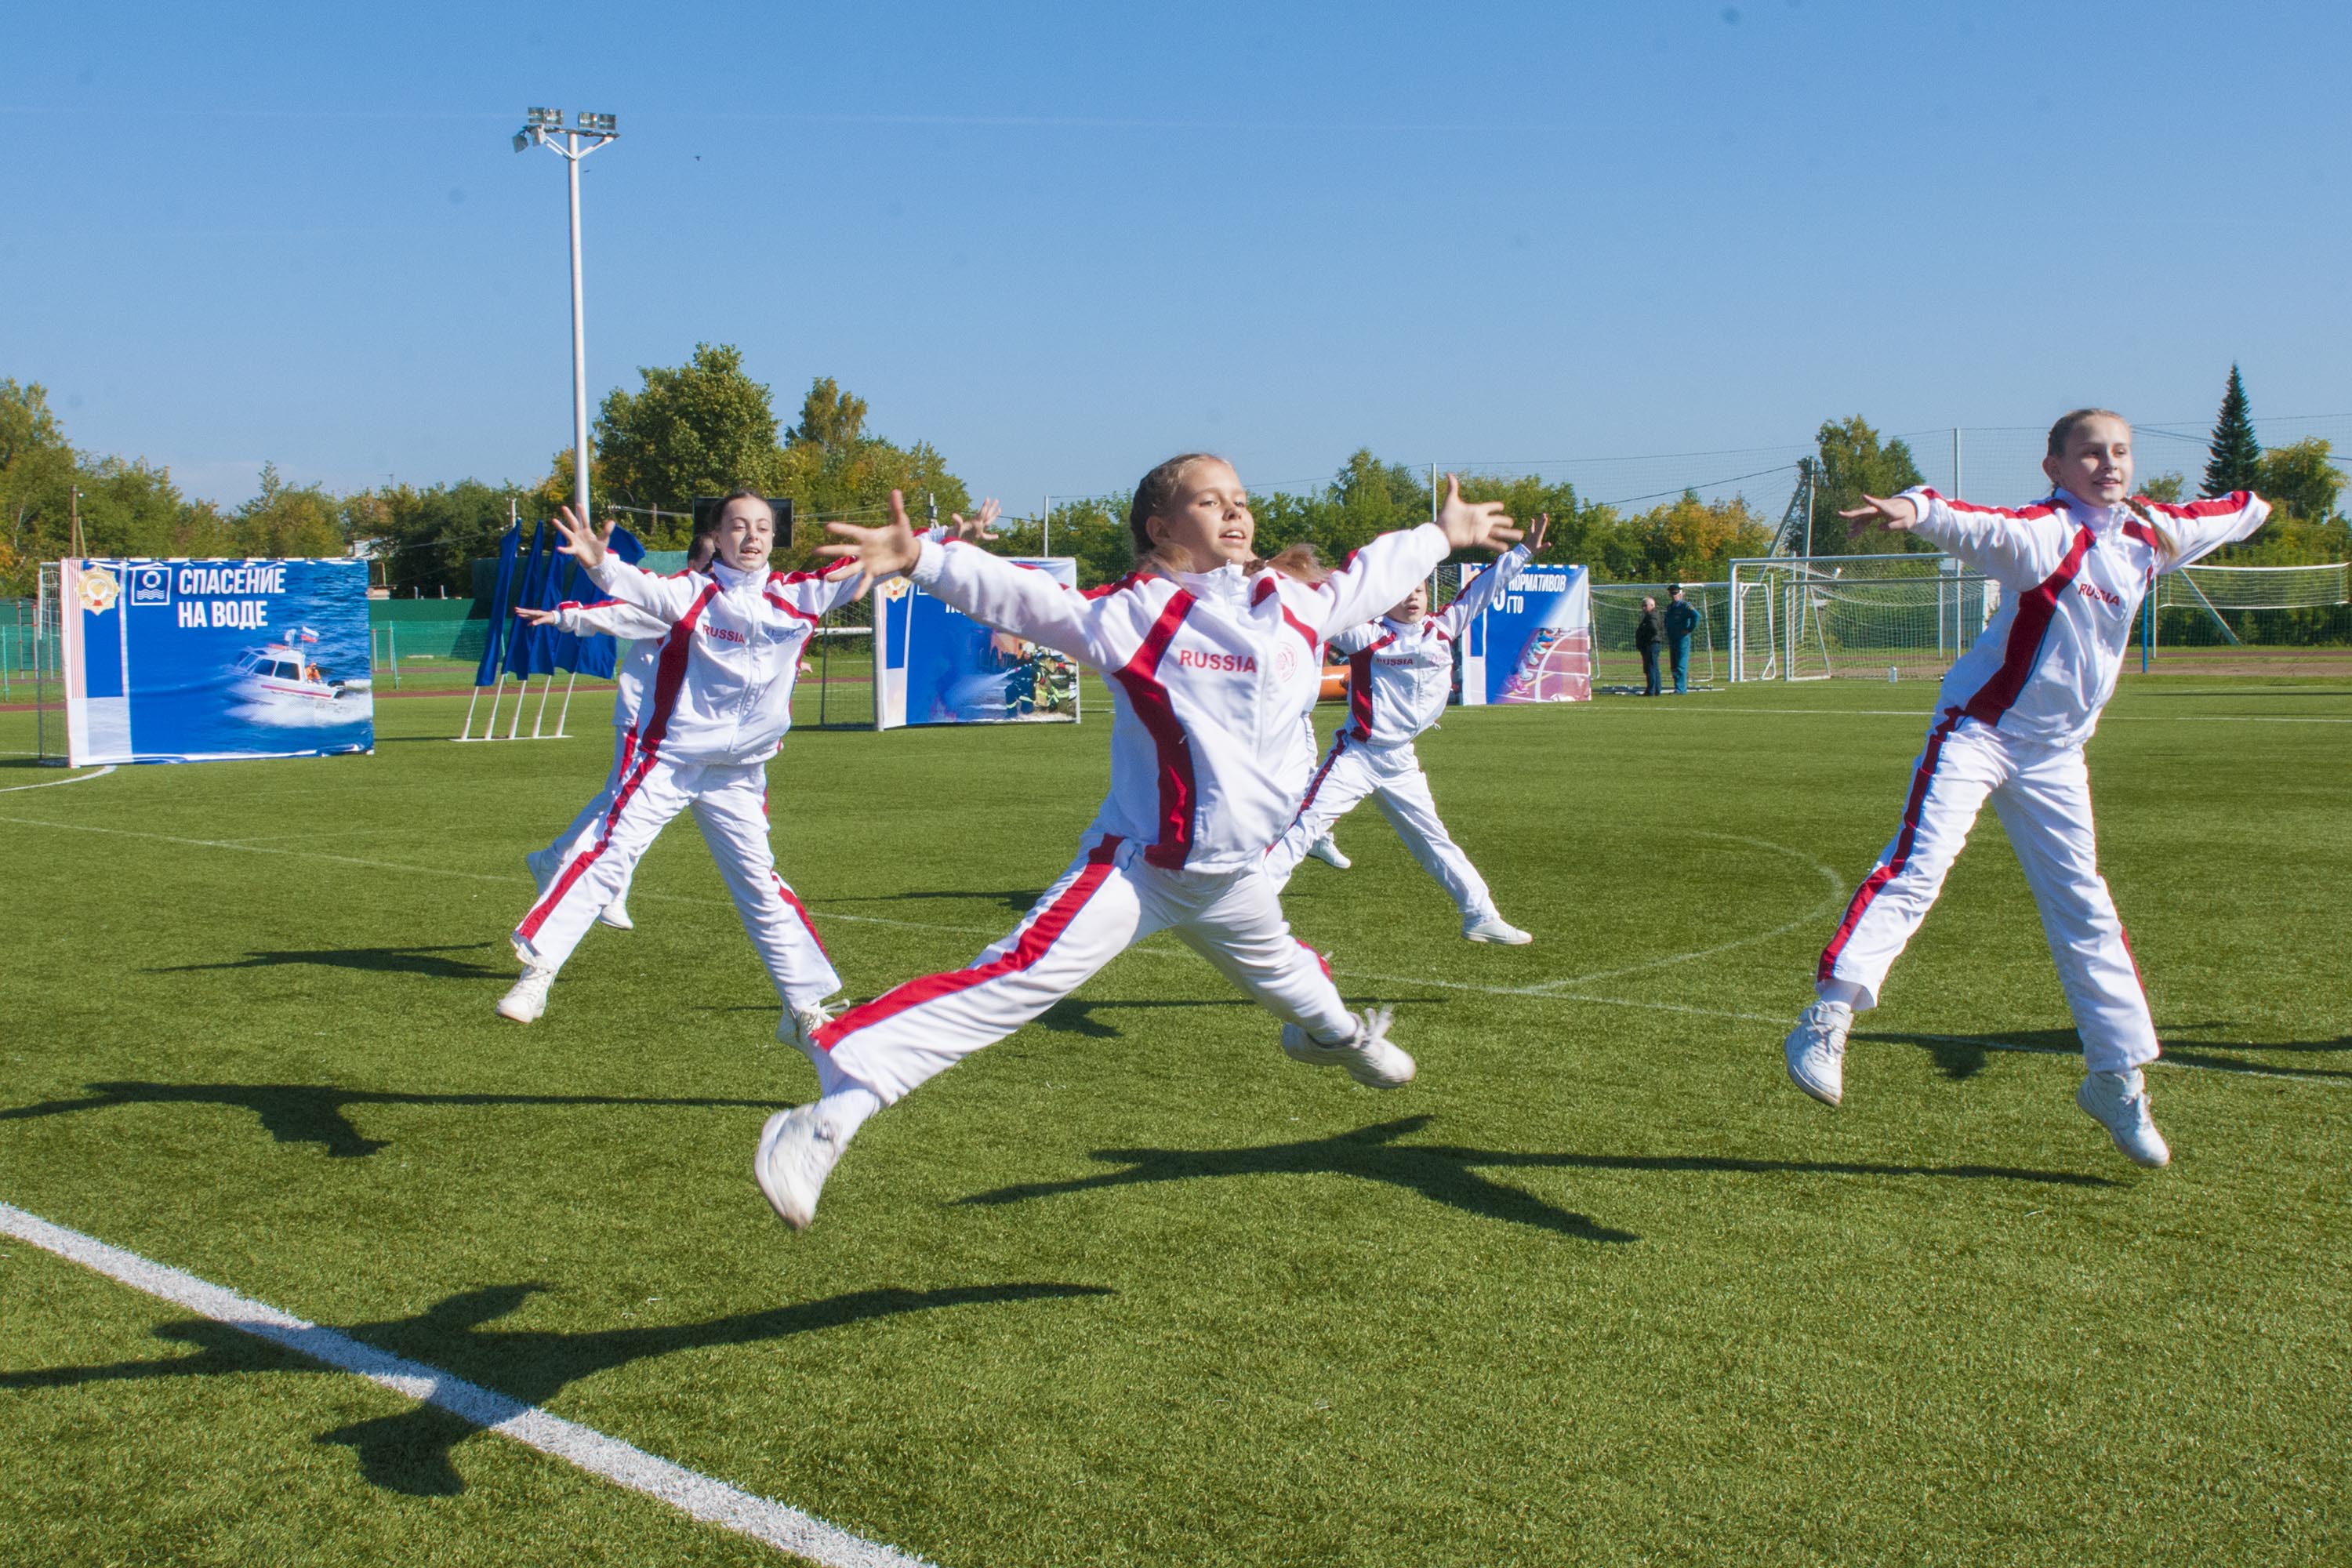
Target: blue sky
(1061, 242)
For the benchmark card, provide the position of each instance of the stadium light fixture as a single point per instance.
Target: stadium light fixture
(545, 127)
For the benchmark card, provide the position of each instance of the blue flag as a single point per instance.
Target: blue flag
(495, 643)
(593, 656)
(532, 651)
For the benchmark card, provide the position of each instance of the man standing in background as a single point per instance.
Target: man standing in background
(1681, 621)
(1645, 639)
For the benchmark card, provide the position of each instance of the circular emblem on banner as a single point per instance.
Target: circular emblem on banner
(896, 588)
(96, 589)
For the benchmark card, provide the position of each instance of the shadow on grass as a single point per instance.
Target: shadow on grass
(1015, 899)
(375, 960)
(1962, 1056)
(410, 1452)
(1075, 1016)
(1449, 1176)
(313, 1113)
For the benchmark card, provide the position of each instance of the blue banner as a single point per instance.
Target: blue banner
(596, 656)
(935, 665)
(501, 607)
(531, 650)
(183, 662)
(1534, 644)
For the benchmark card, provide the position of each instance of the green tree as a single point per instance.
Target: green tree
(1854, 462)
(2300, 480)
(700, 428)
(2235, 454)
(830, 418)
(286, 520)
(2165, 487)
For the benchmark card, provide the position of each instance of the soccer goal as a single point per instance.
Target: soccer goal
(2259, 606)
(1906, 617)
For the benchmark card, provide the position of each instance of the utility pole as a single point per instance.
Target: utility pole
(1045, 525)
(541, 127)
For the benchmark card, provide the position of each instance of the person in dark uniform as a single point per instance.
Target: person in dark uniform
(1645, 639)
(1681, 621)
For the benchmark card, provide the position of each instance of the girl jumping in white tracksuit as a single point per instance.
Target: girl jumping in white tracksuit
(2012, 719)
(1208, 665)
(632, 678)
(1400, 675)
(721, 703)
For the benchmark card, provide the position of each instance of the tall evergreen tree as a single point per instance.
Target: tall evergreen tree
(2236, 455)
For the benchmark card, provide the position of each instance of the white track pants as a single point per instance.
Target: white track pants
(1391, 775)
(1106, 901)
(582, 833)
(731, 805)
(2043, 795)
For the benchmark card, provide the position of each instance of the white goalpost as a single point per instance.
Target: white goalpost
(1895, 617)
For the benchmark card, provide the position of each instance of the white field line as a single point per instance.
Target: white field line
(250, 849)
(1929, 713)
(1540, 991)
(52, 783)
(623, 1464)
(1830, 878)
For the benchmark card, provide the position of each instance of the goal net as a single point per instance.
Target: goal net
(2258, 607)
(1907, 616)
(1617, 616)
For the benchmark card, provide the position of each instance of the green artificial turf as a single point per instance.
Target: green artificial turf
(1130, 1287)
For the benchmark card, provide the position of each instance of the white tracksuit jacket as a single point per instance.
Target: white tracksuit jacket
(1209, 673)
(2011, 719)
(720, 703)
(1399, 677)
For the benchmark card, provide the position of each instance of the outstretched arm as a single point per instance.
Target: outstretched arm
(664, 598)
(989, 588)
(612, 619)
(1482, 589)
(2200, 528)
(1384, 571)
(2018, 549)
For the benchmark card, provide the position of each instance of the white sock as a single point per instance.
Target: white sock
(848, 1106)
(1844, 991)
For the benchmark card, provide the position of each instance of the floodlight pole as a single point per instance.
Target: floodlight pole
(589, 132)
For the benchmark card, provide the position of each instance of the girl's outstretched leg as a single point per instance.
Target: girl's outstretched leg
(1959, 765)
(2046, 812)
(1240, 930)
(873, 1055)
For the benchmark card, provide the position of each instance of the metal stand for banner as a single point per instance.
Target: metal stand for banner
(571, 679)
(522, 695)
(497, 691)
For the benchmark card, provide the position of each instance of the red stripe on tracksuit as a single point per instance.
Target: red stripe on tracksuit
(1338, 743)
(1178, 794)
(1106, 589)
(1994, 697)
(2034, 613)
(1920, 779)
(799, 908)
(2234, 501)
(1033, 945)
(669, 678)
(1314, 645)
(1360, 686)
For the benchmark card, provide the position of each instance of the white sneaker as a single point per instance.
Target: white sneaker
(617, 915)
(1366, 1055)
(1323, 849)
(1816, 1050)
(2118, 1101)
(544, 864)
(527, 1000)
(1494, 928)
(799, 1025)
(796, 1153)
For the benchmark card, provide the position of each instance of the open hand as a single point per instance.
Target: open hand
(1536, 535)
(874, 553)
(1480, 525)
(1898, 512)
(537, 618)
(581, 541)
(979, 529)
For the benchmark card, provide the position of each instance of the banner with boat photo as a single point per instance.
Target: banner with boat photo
(186, 661)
